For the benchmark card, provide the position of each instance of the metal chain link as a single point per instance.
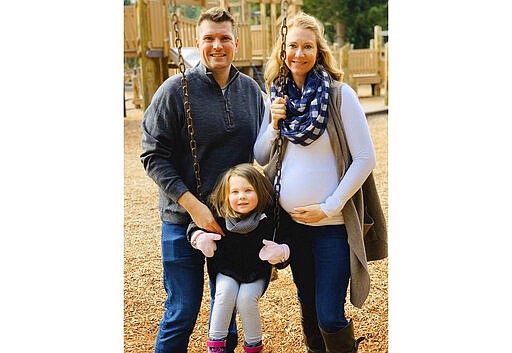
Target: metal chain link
(280, 93)
(184, 85)
(284, 30)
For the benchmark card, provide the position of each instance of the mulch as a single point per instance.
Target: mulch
(144, 294)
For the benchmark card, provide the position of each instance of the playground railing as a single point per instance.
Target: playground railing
(245, 52)
(187, 28)
(363, 66)
(130, 32)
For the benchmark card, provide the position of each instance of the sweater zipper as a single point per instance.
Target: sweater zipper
(225, 99)
(227, 111)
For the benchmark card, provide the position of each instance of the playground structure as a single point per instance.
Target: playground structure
(149, 35)
(366, 66)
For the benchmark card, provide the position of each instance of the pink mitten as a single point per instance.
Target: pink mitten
(274, 253)
(205, 242)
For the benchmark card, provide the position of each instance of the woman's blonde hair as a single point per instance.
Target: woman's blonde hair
(219, 198)
(325, 58)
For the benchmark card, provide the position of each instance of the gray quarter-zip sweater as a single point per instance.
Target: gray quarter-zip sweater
(225, 126)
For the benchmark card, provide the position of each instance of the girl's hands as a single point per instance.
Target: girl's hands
(205, 242)
(274, 253)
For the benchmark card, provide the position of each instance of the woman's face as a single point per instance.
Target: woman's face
(301, 52)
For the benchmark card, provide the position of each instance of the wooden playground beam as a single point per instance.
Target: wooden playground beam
(153, 63)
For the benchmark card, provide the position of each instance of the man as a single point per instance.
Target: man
(227, 109)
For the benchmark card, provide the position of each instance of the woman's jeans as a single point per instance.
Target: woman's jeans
(183, 281)
(320, 265)
(244, 296)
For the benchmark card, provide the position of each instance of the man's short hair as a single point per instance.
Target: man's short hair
(217, 14)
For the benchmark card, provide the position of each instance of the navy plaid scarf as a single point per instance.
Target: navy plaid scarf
(306, 110)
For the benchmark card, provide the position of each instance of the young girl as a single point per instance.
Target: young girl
(240, 262)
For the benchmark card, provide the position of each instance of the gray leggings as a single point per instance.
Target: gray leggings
(228, 293)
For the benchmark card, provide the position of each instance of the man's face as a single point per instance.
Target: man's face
(217, 45)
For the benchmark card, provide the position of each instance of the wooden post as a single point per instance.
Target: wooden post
(386, 73)
(136, 83)
(340, 33)
(291, 9)
(245, 12)
(344, 62)
(377, 38)
(154, 70)
(263, 20)
(294, 6)
(273, 19)
(378, 41)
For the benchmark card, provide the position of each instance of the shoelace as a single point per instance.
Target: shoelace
(216, 349)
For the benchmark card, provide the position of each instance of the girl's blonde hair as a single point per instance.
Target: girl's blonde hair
(219, 198)
(325, 58)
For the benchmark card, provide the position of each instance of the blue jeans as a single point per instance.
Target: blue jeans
(320, 266)
(183, 281)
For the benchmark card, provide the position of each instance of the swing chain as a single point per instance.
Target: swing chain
(184, 85)
(279, 140)
(284, 30)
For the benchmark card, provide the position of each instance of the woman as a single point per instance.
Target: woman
(323, 169)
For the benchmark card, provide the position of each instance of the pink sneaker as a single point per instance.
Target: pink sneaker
(257, 349)
(216, 346)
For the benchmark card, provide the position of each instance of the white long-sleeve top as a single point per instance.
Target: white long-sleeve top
(309, 173)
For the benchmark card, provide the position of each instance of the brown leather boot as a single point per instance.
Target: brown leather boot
(342, 341)
(312, 336)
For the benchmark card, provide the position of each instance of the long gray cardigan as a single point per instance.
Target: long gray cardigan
(373, 245)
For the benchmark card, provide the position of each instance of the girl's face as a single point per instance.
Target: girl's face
(301, 52)
(242, 195)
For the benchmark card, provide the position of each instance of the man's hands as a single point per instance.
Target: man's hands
(200, 213)
(205, 242)
(274, 253)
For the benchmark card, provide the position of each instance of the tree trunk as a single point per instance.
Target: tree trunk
(340, 33)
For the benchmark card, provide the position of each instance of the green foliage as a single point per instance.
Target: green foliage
(132, 62)
(358, 16)
(192, 12)
(128, 2)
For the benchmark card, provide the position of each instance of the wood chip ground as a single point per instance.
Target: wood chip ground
(143, 289)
